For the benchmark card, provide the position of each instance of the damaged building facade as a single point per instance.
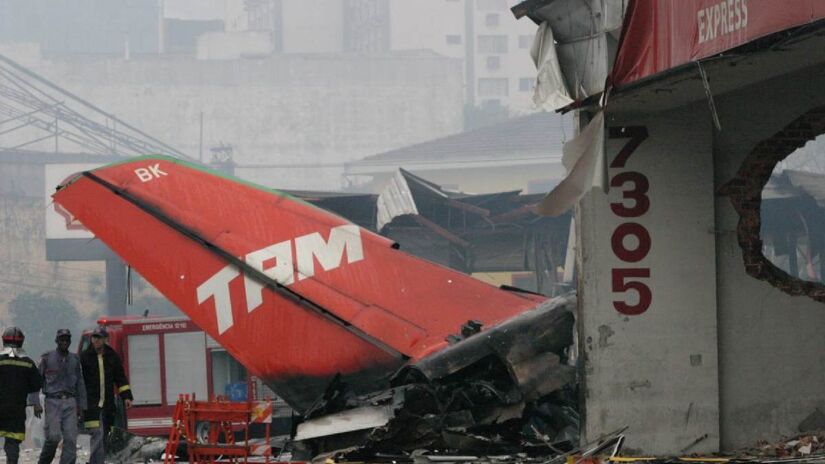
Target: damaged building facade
(689, 336)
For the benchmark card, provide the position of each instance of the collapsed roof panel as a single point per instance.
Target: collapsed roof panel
(493, 232)
(812, 184)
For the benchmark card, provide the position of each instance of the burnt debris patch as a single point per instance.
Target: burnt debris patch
(509, 389)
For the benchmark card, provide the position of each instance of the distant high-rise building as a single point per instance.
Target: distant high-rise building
(494, 45)
(498, 71)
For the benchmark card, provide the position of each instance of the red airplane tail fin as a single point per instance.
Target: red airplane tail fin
(294, 292)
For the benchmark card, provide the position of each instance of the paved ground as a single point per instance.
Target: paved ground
(29, 454)
(30, 448)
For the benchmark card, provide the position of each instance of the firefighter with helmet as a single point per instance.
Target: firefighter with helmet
(18, 378)
(102, 372)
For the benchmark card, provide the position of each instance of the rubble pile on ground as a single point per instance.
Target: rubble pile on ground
(802, 446)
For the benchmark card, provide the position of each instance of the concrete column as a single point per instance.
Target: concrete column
(647, 310)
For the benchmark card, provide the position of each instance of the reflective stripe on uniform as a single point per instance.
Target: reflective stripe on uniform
(123, 388)
(91, 424)
(11, 362)
(13, 435)
(101, 374)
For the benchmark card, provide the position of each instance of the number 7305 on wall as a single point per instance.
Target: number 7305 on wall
(635, 202)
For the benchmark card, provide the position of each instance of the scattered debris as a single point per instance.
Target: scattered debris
(123, 446)
(503, 391)
(808, 448)
(800, 446)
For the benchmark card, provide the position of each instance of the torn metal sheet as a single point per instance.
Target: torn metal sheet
(366, 417)
(586, 166)
(585, 33)
(496, 232)
(395, 200)
(551, 90)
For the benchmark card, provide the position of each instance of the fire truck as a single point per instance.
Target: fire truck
(165, 357)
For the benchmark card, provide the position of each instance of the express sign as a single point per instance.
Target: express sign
(658, 35)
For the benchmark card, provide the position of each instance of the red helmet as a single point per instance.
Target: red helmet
(13, 337)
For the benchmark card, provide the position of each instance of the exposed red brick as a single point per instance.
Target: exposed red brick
(745, 191)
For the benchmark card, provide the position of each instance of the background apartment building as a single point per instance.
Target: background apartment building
(498, 71)
(494, 46)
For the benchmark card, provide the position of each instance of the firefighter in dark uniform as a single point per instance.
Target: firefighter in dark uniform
(102, 372)
(18, 378)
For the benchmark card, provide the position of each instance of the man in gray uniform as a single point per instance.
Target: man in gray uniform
(65, 394)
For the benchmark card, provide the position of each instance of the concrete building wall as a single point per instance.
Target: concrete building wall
(195, 10)
(313, 26)
(82, 26)
(293, 120)
(436, 25)
(652, 367)
(236, 16)
(234, 45)
(719, 360)
(771, 345)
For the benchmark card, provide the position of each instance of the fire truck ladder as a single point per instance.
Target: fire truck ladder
(224, 419)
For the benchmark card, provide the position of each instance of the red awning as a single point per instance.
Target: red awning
(659, 35)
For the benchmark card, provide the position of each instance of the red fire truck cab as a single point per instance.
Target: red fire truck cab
(168, 356)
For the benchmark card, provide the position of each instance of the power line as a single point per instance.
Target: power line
(25, 91)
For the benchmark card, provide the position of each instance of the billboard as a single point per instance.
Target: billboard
(60, 224)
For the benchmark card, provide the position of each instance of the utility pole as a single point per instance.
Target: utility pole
(200, 141)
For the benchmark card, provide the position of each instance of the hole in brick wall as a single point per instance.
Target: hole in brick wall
(793, 213)
(780, 197)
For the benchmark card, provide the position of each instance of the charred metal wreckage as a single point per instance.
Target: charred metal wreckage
(404, 354)
(505, 390)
